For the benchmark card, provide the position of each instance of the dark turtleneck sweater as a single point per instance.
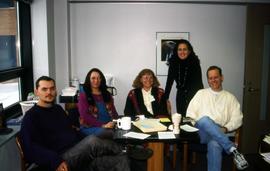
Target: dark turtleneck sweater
(187, 75)
(46, 133)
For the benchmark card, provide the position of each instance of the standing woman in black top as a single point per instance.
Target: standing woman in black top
(185, 70)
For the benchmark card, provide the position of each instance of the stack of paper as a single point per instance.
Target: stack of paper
(189, 128)
(136, 135)
(150, 125)
(166, 135)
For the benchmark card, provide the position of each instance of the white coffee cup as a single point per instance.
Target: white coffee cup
(176, 119)
(124, 123)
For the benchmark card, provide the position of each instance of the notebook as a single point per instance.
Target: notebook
(150, 125)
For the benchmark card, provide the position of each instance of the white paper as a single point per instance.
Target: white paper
(266, 156)
(267, 139)
(170, 127)
(188, 128)
(166, 135)
(136, 135)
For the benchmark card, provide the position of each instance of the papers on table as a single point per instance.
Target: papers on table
(136, 135)
(266, 156)
(267, 139)
(166, 135)
(150, 125)
(188, 128)
(161, 135)
(170, 127)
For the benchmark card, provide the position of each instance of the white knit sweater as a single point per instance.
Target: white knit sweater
(222, 107)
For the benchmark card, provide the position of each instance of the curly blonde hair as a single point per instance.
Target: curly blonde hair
(137, 82)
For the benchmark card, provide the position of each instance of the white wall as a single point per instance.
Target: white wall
(121, 39)
(61, 43)
(42, 20)
(39, 38)
(217, 33)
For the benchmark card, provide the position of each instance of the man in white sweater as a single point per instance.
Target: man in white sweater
(216, 112)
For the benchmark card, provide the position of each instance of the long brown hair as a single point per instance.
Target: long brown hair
(103, 87)
(137, 82)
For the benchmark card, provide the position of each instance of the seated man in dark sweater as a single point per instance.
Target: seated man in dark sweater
(49, 139)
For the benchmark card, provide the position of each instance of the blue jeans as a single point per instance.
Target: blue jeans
(93, 153)
(91, 130)
(211, 134)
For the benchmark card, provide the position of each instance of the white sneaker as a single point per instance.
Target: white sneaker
(239, 160)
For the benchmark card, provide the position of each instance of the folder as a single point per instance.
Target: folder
(149, 125)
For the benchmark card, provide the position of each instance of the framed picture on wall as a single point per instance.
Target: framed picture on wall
(165, 43)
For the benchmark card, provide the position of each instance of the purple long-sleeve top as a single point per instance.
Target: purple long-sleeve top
(88, 117)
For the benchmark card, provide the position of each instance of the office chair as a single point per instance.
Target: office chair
(26, 166)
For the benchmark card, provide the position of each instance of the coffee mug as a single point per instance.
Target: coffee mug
(124, 123)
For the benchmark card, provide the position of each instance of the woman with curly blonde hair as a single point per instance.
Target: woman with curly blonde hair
(146, 98)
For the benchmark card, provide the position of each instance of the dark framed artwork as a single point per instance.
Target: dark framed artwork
(165, 43)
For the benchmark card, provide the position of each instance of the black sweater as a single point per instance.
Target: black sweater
(135, 104)
(187, 74)
(46, 133)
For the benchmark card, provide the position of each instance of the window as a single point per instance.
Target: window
(16, 71)
(10, 92)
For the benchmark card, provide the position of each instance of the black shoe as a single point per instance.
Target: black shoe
(140, 153)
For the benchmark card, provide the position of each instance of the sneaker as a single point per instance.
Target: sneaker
(239, 160)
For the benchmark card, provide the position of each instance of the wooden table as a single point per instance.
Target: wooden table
(156, 162)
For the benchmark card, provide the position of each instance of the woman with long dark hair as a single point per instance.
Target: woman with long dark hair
(96, 105)
(185, 70)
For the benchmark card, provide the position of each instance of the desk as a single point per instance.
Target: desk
(7, 137)
(9, 154)
(156, 163)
